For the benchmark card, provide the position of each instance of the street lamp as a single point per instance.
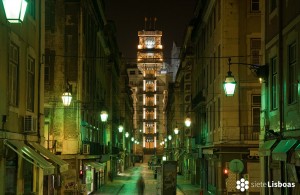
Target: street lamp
(126, 134)
(120, 128)
(176, 130)
(229, 83)
(15, 10)
(187, 122)
(67, 96)
(261, 72)
(104, 116)
(170, 137)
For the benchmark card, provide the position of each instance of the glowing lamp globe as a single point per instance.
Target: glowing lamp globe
(229, 85)
(104, 116)
(187, 122)
(66, 98)
(176, 130)
(15, 10)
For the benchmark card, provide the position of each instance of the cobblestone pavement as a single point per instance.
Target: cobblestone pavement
(125, 183)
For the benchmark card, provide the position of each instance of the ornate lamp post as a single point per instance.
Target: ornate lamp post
(261, 72)
(104, 117)
(15, 10)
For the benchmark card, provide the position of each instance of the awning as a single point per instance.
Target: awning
(30, 155)
(96, 165)
(208, 151)
(105, 158)
(265, 149)
(254, 152)
(279, 152)
(63, 165)
(297, 152)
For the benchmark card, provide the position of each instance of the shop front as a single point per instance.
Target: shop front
(21, 162)
(94, 176)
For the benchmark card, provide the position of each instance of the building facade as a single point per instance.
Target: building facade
(26, 165)
(279, 148)
(226, 127)
(82, 59)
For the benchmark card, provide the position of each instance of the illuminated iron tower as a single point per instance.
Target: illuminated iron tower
(150, 63)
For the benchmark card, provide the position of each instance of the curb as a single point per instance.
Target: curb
(120, 189)
(178, 187)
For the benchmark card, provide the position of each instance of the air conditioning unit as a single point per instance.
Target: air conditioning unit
(86, 149)
(29, 124)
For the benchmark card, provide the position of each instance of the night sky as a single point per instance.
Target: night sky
(173, 16)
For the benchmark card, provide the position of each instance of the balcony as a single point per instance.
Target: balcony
(96, 148)
(250, 133)
(199, 98)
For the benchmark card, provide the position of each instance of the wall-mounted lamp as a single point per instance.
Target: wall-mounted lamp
(261, 72)
(188, 122)
(229, 83)
(103, 116)
(176, 130)
(67, 96)
(121, 128)
(15, 10)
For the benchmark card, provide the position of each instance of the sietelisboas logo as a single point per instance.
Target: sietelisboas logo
(242, 184)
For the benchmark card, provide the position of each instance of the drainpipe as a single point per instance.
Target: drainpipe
(283, 175)
(39, 77)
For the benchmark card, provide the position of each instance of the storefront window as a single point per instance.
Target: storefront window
(11, 173)
(28, 176)
(89, 179)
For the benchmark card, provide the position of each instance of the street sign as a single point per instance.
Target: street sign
(236, 166)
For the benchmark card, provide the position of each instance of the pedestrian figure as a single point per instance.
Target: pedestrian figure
(110, 176)
(140, 185)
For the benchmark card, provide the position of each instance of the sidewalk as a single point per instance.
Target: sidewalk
(186, 187)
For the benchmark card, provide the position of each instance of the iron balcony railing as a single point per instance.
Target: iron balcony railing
(250, 133)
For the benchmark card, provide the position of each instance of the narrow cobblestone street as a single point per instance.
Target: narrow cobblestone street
(125, 183)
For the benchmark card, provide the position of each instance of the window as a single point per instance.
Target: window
(219, 59)
(132, 72)
(28, 176)
(11, 166)
(214, 17)
(255, 45)
(219, 9)
(50, 15)
(219, 113)
(13, 74)
(30, 83)
(273, 88)
(273, 5)
(31, 8)
(212, 123)
(291, 83)
(256, 104)
(255, 6)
